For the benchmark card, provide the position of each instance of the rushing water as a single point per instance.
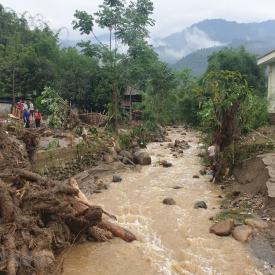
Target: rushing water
(171, 239)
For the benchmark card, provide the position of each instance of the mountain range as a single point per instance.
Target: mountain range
(191, 47)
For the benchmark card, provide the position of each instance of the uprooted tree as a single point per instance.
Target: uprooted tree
(39, 217)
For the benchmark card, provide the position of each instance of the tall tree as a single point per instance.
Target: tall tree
(127, 25)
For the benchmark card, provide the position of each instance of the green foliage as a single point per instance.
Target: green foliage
(141, 134)
(56, 106)
(53, 144)
(239, 60)
(225, 93)
(254, 113)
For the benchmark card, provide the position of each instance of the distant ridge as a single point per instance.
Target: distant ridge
(190, 48)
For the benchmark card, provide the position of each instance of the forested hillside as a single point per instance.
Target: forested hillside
(32, 59)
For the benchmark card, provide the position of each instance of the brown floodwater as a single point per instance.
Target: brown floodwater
(171, 239)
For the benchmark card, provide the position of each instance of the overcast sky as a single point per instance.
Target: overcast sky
(170, 15)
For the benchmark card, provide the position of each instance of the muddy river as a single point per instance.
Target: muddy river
(171, 239)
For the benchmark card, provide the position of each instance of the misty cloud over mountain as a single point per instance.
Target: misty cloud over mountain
(196, 42)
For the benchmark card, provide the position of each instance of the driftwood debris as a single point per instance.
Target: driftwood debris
(40, 217)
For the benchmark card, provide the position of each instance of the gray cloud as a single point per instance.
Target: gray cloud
(170, 16)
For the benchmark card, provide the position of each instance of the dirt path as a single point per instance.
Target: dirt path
(171, 239)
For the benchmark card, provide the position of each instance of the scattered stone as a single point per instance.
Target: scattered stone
(169, 201)
(177, 143)
(202, 153)
(142, 158)
(100, 185)
(200, 204)
(256, 223)
(161, 144)
(165, 163)
(183, 134)
(236, 193)
(126, 154)
(242, 233)
(220, 197)
(196, 177)
(177, 187)
(108, 158)
(203, 172)
(222, 228)
(117, 178)
(170, 145)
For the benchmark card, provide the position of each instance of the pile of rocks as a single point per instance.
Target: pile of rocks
(240, 232)
(177, 148)
(138, 157)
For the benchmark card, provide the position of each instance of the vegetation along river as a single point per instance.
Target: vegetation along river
(171, 239)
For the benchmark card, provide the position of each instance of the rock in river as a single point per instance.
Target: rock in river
(169, 201)
(242, 233)
(222, 228)
(165, 163)
(142, 158)
(200, 204)
(117, 178)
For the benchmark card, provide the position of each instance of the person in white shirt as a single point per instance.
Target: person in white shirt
(31, 109)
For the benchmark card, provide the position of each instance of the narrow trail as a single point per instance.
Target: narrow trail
(171, 239)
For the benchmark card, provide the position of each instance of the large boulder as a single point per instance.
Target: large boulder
(256, 223)
(126, 154)
(242, 233)
(142, 158)
(222, 228)
(257, 175)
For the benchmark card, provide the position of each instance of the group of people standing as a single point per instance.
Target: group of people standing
(25, 111)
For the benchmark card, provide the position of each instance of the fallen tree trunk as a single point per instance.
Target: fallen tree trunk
(9, 245)
(117, 231)
(24, 174)
(40, 217)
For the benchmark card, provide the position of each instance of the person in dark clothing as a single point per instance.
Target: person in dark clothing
(26, 118)
(37, 118)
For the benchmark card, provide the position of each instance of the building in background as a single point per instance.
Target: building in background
(269, 61)
(131, 97)
(5, 107)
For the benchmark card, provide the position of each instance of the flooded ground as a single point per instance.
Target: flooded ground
(171, 239)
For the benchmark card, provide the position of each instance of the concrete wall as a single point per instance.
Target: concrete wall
(271, 88)
(5, 108)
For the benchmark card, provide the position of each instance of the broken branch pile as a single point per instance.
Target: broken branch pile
(40, 217)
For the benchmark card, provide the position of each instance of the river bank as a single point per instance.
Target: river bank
(171, 239)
